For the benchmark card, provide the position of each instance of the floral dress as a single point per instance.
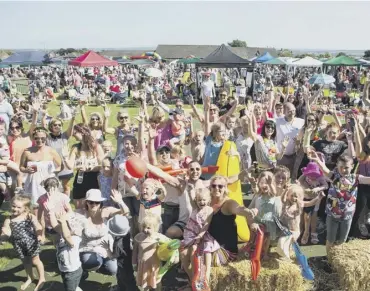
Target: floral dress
(24, 238)
(266, 152)
(193, 228)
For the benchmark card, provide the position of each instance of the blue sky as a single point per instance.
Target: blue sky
(307, 25)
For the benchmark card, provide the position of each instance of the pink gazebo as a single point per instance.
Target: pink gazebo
(91, 59)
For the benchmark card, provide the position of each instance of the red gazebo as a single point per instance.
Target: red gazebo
(92, 59)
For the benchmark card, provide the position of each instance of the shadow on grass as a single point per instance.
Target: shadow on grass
(325, 278)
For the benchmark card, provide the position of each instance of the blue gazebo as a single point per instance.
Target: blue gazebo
(264, 58)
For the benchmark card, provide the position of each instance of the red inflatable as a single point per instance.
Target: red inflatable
(136, 167)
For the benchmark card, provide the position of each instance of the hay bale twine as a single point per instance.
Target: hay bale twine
(275, 275)
(351, 262)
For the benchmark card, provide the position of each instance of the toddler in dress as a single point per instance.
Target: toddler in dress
(144, 258)
(24, 232)
(196, 232)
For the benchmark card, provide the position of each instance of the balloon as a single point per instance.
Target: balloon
(136, 167)
(165, 250)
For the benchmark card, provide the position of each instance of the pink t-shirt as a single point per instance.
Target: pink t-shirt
(58, 204)
(261, 122)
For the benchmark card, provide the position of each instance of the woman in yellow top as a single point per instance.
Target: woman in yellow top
(363, 80)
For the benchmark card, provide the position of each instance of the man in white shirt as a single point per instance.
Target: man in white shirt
(288, 126)
(208, 87)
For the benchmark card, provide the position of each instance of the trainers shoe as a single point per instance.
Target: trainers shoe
(321, 227)
(368, 219)
(363, 230)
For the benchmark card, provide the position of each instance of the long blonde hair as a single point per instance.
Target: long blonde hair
(158, 115)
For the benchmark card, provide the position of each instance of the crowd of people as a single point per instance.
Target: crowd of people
(302, 162)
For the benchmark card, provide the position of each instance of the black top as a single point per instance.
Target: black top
(331, 150)
(122, 249)
(223, 229)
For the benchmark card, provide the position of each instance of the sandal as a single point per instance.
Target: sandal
(304, 239)
(314, 238)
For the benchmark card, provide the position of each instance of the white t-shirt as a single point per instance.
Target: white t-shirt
(285, 128)
(208, 88)
(68, 258)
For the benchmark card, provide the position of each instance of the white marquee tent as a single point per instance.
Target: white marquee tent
(307, 62)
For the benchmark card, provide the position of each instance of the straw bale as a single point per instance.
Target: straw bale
(275, 275)
(351, 262)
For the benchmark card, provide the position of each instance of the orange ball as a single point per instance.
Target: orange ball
(136, 167)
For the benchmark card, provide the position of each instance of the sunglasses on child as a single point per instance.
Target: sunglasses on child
(123, 117)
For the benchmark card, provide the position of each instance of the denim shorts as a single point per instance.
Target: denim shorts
(71, 280)
(170, 216)
(337, 230)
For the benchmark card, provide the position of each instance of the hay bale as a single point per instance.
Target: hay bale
(275, 275)
(351, 262)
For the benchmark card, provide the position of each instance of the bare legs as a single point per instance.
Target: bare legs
(28, 263)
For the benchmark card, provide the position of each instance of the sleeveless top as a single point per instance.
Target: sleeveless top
(223, 230)
(57, 143)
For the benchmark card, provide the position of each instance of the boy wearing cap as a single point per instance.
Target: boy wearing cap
(119, 228)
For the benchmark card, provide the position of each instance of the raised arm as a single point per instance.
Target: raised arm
(69, 131)
(151, 150)
(195, 110)
(84, 115)
(230, 112)
(106, 128)
(173, 181)
(207, 123)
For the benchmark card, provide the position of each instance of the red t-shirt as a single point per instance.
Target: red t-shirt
(115, 88)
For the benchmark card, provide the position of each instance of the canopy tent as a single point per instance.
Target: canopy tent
(223, 57)
(282, 61)
(91, 59)
(123, 61)
(143, 62)
(342, 61)
(188, 61)
(307, 62)
(26, 58)
(264, 58)
(364, 63)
